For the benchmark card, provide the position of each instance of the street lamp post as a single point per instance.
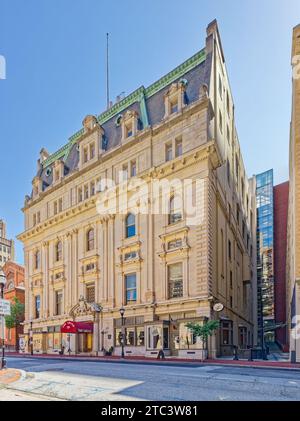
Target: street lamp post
(122, 312)
(2, 285)
(31, 338)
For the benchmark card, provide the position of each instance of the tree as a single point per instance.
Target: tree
(203, 331)
(16, 317)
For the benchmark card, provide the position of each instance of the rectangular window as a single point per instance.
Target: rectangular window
(130, 286)
(59, 303)
(34, 219)
(173, 107)
(98, 185)
(130, 255)
(90, 293)
(175, 280)
(79, 194)
(92, 150)
(238, 214)
(92, 188)
(231, 279)
(125, 172)
(37, 302)
(55, 208)
(228, 103)
(129, 130)
(174, 244)
(228, 134)
(86, 192)
(133, 168)
(226, 333)
(178, 147)
(229, 250)
(85, 155)
(168, 152)
(220, 87)
(60, 205)
(228, 173)
(56, 175)
(220, 122)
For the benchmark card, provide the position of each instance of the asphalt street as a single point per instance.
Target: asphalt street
(79, 380)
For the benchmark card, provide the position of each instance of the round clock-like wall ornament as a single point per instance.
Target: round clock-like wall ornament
(218, 307)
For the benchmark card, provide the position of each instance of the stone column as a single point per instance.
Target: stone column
(111, 261)
(75, 267)
(101, 265)
(69, 270)
(105, 260)
(45, 270)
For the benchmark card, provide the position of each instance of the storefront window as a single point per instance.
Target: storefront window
(140, 332)
(130, 336)
(158, 337)
(186, 338)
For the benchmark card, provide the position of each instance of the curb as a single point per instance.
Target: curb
(155, 362)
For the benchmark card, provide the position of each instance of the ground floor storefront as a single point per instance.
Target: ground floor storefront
(146, 333)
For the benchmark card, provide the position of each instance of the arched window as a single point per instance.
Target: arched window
(175, 214)
(37, 259)
(130, 225)
(90, 237)
(58, 251)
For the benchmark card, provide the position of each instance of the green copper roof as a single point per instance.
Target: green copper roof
(140, 95)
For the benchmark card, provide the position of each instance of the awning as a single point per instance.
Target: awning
(77, 327)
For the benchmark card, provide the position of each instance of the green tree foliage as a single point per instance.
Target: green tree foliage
(204, 331)
(17, 314)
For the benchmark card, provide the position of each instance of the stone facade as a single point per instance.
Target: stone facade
(293, 256)
(6, 246)
(163, 269)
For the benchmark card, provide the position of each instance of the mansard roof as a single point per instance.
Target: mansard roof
(147, 102)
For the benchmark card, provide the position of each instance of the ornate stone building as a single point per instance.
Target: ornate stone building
(7, 251)
(293, 254)
(164, 268)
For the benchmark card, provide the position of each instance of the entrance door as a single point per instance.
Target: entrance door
(85, 342)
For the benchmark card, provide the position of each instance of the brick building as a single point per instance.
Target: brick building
(14, 289)
(281, 198)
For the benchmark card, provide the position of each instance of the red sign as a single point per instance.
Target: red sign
(77, 327)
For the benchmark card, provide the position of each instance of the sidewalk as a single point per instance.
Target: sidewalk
(167, 361)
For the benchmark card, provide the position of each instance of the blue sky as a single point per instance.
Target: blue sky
(55, 55)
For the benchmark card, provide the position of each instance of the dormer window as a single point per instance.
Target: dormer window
(85, 155)
(129, 124)
(56, 175)
(129, 131)
(36, 186)
(92, 150)
(173, 107)
(58, 171)
(174, 98)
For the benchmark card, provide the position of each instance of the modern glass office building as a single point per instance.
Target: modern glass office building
(265, 255)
